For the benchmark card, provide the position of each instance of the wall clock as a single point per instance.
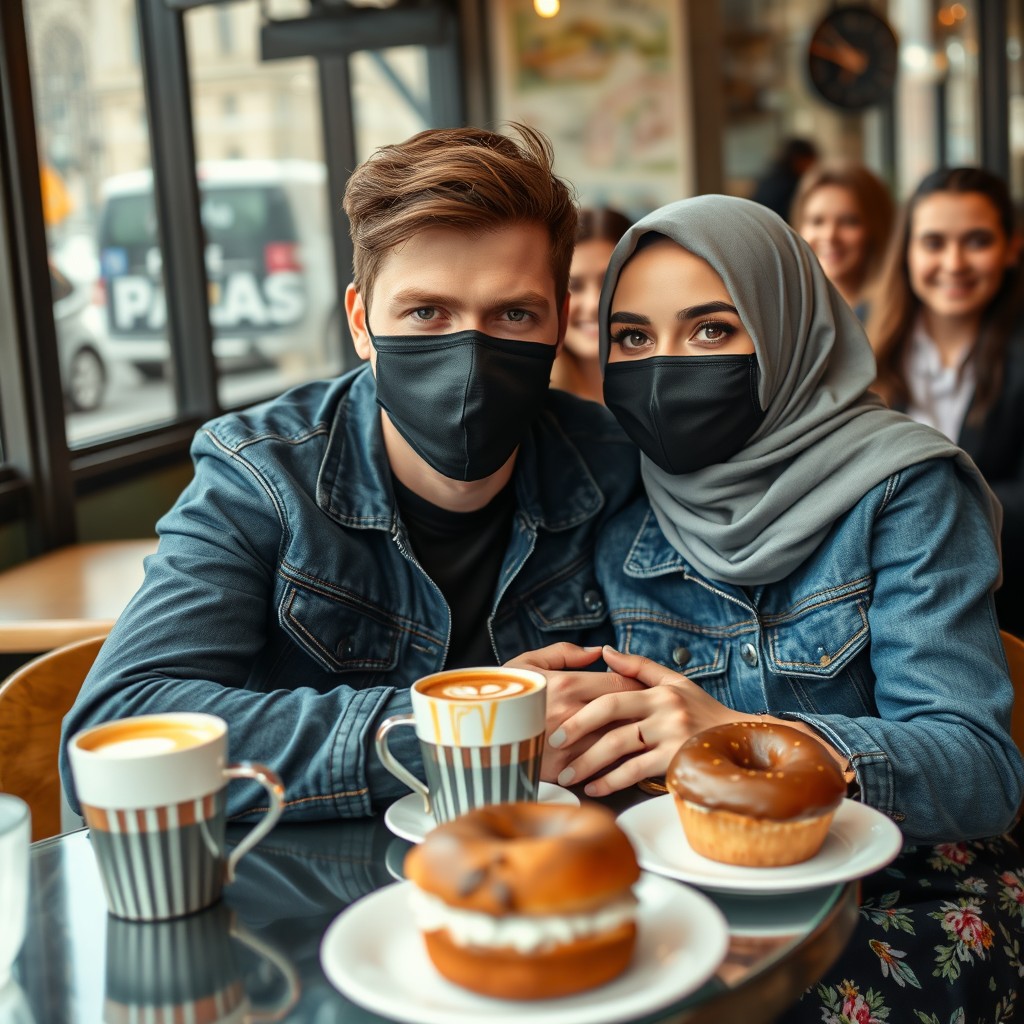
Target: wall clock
(852, 58)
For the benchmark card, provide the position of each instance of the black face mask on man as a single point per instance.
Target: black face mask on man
(686, 412)
(463, 401)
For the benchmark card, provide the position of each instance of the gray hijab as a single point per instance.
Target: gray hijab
(825, 440)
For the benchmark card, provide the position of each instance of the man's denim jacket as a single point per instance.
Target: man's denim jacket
(285, 597)
(884, 640)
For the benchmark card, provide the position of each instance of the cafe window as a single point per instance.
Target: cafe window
(1015, 68)
(390, 96)
(104, 250)
(265, 210)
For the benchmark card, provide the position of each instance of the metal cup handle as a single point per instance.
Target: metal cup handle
(269, 780)
(394, 766)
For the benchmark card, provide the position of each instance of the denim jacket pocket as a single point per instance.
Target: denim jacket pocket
(341, 636)
(702, 657)
(820, 641)
(573, 603)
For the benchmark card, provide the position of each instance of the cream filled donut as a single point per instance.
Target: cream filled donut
(525, 900)
(755, 793)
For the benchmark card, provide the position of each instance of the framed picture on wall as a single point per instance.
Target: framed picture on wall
(603, 80)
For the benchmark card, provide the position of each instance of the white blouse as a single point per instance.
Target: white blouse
(939, 395)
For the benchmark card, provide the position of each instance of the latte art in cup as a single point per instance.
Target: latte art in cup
(145, 737)
(478, 691)
(463, 685)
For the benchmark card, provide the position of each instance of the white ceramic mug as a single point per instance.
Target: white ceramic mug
(15, 836)
(153, 793)
(481, 733)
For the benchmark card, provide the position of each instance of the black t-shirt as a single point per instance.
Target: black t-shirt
(462, 553)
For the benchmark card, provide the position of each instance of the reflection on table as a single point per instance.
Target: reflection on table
(258, 951)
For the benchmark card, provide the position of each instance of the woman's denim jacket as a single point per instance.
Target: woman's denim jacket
(284, 595)
(884, 640)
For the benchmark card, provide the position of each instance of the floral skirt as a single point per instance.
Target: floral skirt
(940, 941)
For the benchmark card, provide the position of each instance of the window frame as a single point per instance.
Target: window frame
(41, 476)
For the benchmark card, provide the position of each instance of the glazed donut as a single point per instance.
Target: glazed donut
(526, 900)
(755, 793)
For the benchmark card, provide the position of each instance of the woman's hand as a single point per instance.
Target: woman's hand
(569, 691)
(635, 730)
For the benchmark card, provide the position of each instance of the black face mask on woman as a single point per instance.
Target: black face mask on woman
(686, 412)
(463, 401)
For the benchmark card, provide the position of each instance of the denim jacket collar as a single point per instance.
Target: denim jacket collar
(650, 555)
(554, 488)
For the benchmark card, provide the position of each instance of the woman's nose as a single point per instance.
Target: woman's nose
(590, 298)
(953, 257)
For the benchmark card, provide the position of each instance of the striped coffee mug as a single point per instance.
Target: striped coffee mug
(481, 735)
(153, 793)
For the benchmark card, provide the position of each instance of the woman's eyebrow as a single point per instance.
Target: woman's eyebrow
(628, 318)
(689, 313)
(692, 312)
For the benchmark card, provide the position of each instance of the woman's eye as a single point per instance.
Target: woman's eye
(980, 240)
(714, 331)
(630, 341)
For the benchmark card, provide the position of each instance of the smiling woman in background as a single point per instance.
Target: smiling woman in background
(845, 213)
(947, 333)
(577, 367)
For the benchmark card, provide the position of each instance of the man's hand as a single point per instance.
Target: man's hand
(570, 690)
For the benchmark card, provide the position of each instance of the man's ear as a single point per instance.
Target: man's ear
(563, 322)
(355, 310)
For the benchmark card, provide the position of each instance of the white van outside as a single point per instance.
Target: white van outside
(268, 259)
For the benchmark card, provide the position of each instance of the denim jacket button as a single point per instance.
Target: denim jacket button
(593, 601)
(748, 652)
(681, 656)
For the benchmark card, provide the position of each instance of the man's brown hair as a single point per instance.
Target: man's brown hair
(464, 178)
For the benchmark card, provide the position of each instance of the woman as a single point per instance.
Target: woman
(577, 368)
(806, 556)
(845, 214)
(949, 339)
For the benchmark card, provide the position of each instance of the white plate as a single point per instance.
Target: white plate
(861, 840)
(407, 819)
(373, 954)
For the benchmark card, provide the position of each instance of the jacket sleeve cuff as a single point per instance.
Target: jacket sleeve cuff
(361, 784)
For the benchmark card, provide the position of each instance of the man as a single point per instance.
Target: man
(437, 508)
(777, 186)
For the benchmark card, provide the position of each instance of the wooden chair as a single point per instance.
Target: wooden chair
(1014, 648)
(33, 701)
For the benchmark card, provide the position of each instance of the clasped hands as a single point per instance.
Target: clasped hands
(618, 727)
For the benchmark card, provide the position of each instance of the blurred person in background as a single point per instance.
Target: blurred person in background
(947, 333)
(845, 213)
(777, 185)
(577, 367)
